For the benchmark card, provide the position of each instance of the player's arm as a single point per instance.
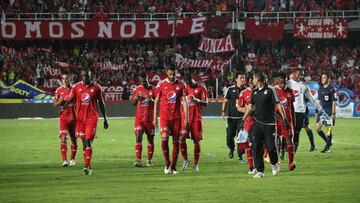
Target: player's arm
(103, 110)
(247, 111)
(333, 107)
(57, 100)
(280, 108)
(135, 98)
(311, 98)
(156, 103)
(223, 107)
(203, 101)
(185, 106)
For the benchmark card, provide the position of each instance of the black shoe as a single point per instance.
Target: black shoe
(312, 148)
(241, 160)
(231, 154)
(326, 149)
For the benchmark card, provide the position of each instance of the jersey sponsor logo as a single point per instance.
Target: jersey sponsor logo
(358, 108)
(296, 93)
(145, 102)
(284, 101)
(171, 96)
(85, 98)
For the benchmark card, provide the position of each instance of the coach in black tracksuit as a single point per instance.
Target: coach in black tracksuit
(234, 117)
(264, 100)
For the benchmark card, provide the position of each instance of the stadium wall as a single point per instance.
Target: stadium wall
(123, 109)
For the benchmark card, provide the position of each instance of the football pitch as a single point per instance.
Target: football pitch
(30, 169)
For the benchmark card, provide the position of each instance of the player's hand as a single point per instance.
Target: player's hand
(286, 124)
(223, 115)
(155, 122)
(106, 124)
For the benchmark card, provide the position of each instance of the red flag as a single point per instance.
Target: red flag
(269, 31)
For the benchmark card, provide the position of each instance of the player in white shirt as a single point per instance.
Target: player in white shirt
(301, 90)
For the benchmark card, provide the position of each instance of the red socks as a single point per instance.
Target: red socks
(291, 155)
(138, 150)
(150, 151)
(73, 151)
(165, 150)
(197, 151)
(63, 150)
(175, 153)
(88, 155)
(183, 150)
(249, 158)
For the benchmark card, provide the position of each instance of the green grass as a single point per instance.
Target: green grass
(30, 169)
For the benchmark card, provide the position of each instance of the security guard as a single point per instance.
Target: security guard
(234, 122)
(264, 100)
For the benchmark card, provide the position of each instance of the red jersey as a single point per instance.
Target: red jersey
(145, 105)
(86, 99)
(64, 94)
(245, 97)
(286, 97)
(170, 95)
(194, 109)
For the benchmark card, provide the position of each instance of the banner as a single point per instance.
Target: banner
(23, 90)
(321, 28)
(209, 45)
(263, 30)
(205, 63)
(95, 29)
(115, 93)
(356, 109)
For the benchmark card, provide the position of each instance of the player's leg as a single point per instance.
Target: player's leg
(64, 132)
(230, 134)
(139, 131)
(150, 134)
(240, 151)
(74, 145)
(283, 148)
(90, 132)
(291, 152)
(175, 132)
(184, 134)
(196, 133)
(164, 131)
(63, 150)
(257, 148)
(138, 147)
(269, 141)
(297, 128)
(309, 132)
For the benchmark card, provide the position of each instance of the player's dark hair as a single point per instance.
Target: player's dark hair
(260, 76)
(281, 75)
(239, 73)
(87, 70)
(171, 67)
(64, 73)
(249, 77)
(143, 75)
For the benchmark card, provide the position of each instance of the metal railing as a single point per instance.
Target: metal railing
(239, 16)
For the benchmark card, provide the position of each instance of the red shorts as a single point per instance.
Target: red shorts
(86, 129)
(170, 127)
(144, 126)
(194, 128)
(248, 123)
(281, 130)
(66, 127)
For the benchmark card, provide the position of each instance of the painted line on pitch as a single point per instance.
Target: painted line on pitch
(345, 143)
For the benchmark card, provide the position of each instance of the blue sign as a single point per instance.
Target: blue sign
(23, 90)
(356, 109)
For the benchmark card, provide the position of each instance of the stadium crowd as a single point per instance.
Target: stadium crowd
(158, 6)
(120, 63)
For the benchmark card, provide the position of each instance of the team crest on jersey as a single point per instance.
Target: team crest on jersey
(91, 90)
(326, 97)
(145, 101)
(296, 93)
(171, 96)
(85, 98)
(284, 101)
(177, 88)
(196, 91)
(190, 100)
(265, 92)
